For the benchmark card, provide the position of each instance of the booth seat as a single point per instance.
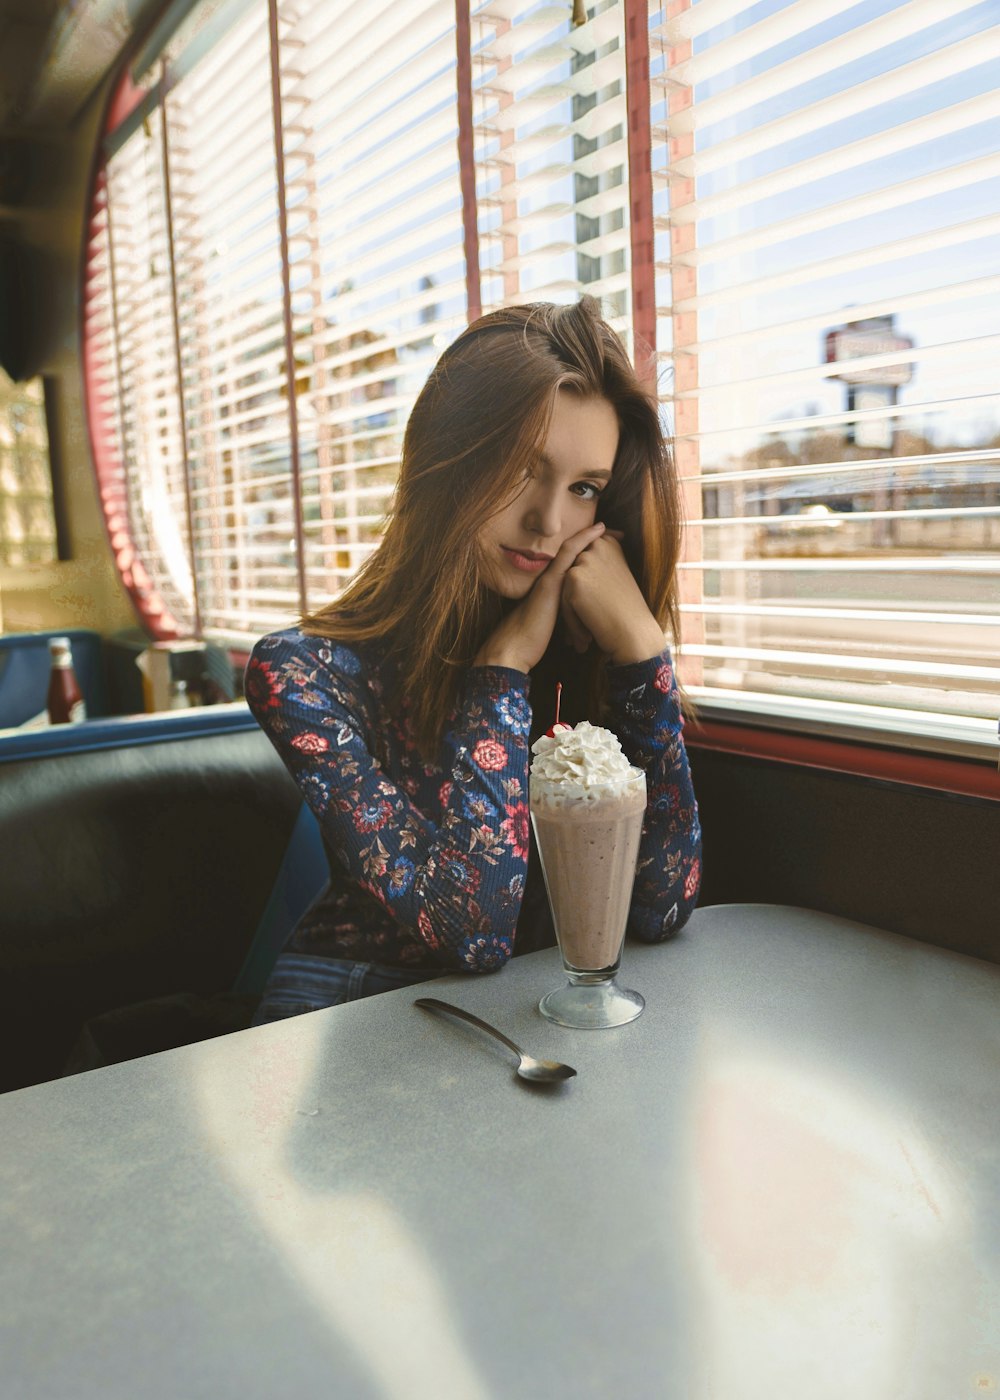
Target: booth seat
(138, 856)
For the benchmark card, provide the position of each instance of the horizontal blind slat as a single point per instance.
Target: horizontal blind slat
(806, 612)
(830, 661)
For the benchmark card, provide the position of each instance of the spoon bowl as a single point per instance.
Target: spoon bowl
(543, 1071)
(529, 1068)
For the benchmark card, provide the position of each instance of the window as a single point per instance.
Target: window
(264, 356)
(827, 179)
(819, 232)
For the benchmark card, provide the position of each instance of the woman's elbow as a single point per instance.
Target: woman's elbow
(462, 946)
(485, 952)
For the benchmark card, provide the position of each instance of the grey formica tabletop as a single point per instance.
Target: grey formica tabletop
(782, 1180)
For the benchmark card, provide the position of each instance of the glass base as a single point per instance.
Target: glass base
(591, 1006)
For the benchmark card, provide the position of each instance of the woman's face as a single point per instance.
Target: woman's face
(559, 497)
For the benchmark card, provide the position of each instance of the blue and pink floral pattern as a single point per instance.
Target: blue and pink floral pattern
(429, 863)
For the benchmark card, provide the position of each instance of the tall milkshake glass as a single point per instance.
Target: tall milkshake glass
(587, 805)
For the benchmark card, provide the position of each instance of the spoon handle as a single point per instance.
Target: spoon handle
(446, 1008)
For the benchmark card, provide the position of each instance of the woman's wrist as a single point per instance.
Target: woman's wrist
(640, 643)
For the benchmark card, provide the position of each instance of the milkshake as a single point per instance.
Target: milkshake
(587, 804)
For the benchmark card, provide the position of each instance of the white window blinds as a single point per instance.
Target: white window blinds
(258, 464)
(827, 184)
(229, 289)
(142, 367)
(376, 252)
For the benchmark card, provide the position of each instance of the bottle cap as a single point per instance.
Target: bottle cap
(58, 644)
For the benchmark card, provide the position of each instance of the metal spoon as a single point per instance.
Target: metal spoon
(538, 1071)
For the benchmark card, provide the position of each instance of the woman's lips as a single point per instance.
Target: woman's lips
(526, 560)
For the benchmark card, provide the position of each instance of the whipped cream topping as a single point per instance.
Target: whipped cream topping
(583, 761)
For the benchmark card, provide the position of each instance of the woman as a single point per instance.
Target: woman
(533, 538)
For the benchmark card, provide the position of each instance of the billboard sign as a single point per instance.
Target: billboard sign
(859, 339)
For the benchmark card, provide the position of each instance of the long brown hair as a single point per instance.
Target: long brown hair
(475, 428)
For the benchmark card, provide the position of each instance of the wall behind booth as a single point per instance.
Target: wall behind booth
(83, 589)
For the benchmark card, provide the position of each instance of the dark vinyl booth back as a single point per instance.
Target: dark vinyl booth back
(911, 860)
(129, 873)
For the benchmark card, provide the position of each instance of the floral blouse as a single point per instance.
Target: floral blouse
(429, 865)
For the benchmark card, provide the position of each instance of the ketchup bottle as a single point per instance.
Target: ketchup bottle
(65, 699)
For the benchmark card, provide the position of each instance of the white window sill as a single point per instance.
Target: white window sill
(954, 735)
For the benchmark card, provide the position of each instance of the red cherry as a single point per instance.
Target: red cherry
(557, 728)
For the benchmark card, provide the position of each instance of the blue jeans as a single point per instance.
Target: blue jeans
(301, 983)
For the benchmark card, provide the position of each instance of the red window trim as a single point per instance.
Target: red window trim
(958, 776)
(294, 463)
(109, 470)
(467, 158)
(640, 168)
(125, 98)
(154, 615)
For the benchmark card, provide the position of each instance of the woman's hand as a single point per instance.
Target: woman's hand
(602, 601)
(522, 638)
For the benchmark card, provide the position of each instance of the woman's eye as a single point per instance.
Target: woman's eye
(586, 490)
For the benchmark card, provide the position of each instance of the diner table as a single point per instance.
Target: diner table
(780, 1181)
